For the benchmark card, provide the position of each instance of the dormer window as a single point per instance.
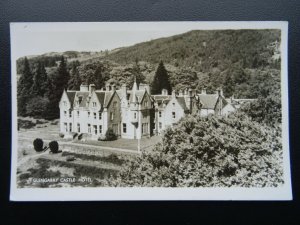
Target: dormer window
(79, 99)
(65, 113)
(65, 103)
(146, 103)
(94, 104)
(114, 104)
(173, 104)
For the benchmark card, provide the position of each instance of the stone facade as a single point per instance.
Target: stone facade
(134, 113)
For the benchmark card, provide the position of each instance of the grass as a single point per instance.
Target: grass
(132, 144)
(112, 158)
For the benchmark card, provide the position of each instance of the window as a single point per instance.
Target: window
(70, 127)
(160, 125)
(173, 115)
(145, 128)
(100, 129)
(146, 103)
(134, 115)
(100, 115)
(94, 104)
(124, 128)
(65, 113)
(66, 127)
(65, 103)
(95, 115)
(70, 114)
(95, 129)
(114, 104)
(78, 114)
(159, 114)
(173, 104)
(78, 127)
(111, 116)
(89, 114)
(89, 128)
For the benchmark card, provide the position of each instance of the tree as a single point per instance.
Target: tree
(36, 106)
(210, 152)
(57, 85)
(39, 80)
(54, 147)
(110, 135)
(38, 144)
(161, 80)
(24, 88)
(75, 80)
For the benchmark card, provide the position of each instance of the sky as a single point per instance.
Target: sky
(39, 38)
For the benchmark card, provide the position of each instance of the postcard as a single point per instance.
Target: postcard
(150, 111)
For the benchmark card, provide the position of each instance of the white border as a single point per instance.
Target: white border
(105, 194)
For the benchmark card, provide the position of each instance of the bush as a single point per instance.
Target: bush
(53, 145)
(110, 135)
(223, 152)
(38, 145)
(61, 135)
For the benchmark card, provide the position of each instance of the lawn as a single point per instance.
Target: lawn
(146, 143)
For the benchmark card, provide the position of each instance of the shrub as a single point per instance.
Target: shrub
(61, 135)
(70, 158)
(224, 152)
(38, 144)
(53, 145)
(110, 135)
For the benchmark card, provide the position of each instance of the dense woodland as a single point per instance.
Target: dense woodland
(245, 63)
(241, 150)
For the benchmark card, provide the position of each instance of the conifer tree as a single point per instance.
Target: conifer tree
(59, 83)
(75, 80)
(39, 80)
(161, 80)
(24, 88)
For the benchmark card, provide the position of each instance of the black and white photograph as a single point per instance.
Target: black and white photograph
(150, 111)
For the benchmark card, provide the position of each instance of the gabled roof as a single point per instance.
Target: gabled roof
(71, 96)
(181, 102)
(208, 101)
(160, 99)
(104, 97)
(138, 95)
(84, 95)
(100, 96)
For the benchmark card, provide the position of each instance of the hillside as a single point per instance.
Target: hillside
(203, 50)
(235, 60)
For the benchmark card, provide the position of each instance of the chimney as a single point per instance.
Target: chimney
(113, 87)
(92, 88)
(84, 87)
(124, 90)
(146, 87)
(164, 92)
(203, 91)
(107, 87)
(180, 93)
(186, 92)
(220, 92)
(173, 94)
(190, 92)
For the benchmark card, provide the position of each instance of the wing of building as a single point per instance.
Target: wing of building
(134, 113)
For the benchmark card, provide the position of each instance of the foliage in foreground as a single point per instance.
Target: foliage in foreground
(210, 152)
